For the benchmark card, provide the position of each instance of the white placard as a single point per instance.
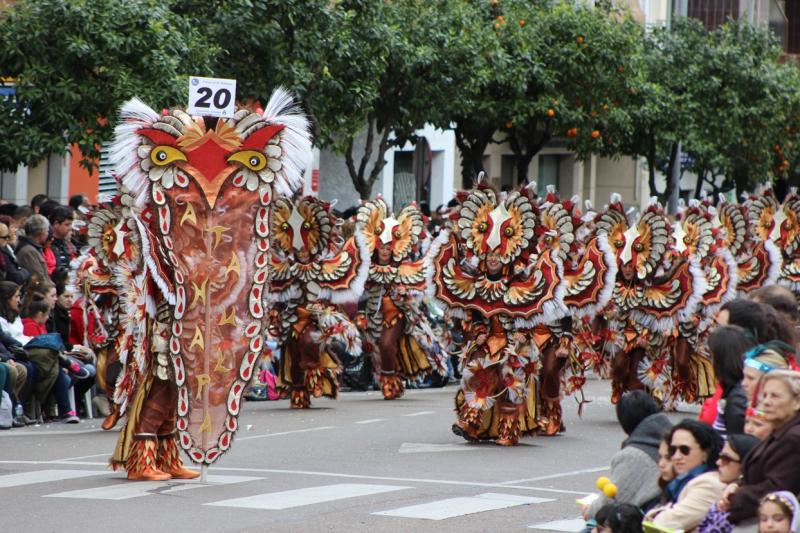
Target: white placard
(211, 97)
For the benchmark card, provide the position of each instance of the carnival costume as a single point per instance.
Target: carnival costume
(486, 270)
(787, 235)
(589, 271)
(760, 260)
(201, 189)
(394, 326)
(309, 271)
(655, 289)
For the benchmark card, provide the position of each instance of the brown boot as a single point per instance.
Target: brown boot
(169, 458)
(391, 386)
(141, 464)
(550, 423)
(300, 399)
(508, 426)
(112, 418)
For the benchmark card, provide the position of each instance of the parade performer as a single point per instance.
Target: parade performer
(486, 270)
(700, 236)
(394, 325)
(589, 271)
(760, 261)
(202, 189)
(656, 288)
(309, 271)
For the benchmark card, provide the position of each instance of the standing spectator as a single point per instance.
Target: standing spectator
(772, 465)
(61, 221)
(8, 239)
(37, 201)
(728, 345)
(30, 251)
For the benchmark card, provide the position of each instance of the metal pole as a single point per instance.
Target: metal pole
(675, 179)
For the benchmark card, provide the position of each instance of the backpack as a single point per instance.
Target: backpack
(6, 411)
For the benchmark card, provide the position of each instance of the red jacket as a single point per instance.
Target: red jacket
(32, 328)
(77, 326)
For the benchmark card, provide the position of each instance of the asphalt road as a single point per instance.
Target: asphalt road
(355, 464)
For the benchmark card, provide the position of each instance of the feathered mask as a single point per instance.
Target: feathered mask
(381, 228)
(303, 224)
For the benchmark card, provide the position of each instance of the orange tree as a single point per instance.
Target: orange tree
(73, 63)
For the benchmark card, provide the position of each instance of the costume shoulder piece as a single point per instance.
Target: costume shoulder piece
(307, 258)
(489, 263)
(761, 262)
(204, 187)
(787, 234)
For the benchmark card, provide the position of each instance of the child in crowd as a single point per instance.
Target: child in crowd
(618, 518)
(35, 318)
(779, 512)
(756, 425)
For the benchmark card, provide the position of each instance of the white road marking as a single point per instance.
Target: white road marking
(556, 476)
(567, 526)
(127, 489)
(308, 496)
(43, 476)
(424, 447)
(48, 433)
(421, 413)
(341, 475)
(451, 507)
(370, 421)
(320, 428)
(106, 454)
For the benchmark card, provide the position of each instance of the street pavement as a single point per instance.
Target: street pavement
(355, 464)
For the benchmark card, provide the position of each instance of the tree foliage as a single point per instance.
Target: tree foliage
(75, 62)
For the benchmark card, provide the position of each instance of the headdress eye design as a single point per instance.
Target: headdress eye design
(509, 231)
(164, 155)
(251, 159)
(397, 234)
(285, 226)
(306, 226)
(638, 247)
(619, 243)
(483, 227)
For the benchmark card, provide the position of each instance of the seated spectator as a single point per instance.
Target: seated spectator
(729, 468)
(694, 448)
(728, 345)
(48, 253)
(756, 425)
(772, 465)
(21, 216)
(618, 518)
(665, 470)
(634, 469)
(37, 201)
(61, 220)
(779, 512)
(13, 377)
(11, 267)
(30, 250)
(762, 359)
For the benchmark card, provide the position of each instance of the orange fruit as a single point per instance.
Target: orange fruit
(595, 134)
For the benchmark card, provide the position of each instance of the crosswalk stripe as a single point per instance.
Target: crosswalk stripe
(308, 496)
(43, 476)
(442, 509)
(573, 525)
(126, 490)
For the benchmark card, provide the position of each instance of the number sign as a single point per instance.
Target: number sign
(211, 97)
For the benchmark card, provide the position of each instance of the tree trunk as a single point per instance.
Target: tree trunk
(472, 144)
(701, 180)
(673, 155)
(363, 181)
(525, 147)
(651, 168)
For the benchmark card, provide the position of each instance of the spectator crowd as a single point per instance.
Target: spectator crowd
(46, 364)
(736, 467)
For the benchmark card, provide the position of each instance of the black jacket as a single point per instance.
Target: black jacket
(59, 323)
(14, 272)
(64, 252)
(735, 409)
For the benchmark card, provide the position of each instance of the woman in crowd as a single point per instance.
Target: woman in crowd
(728, 345)
(772, 465)
(634, 469)
(729, 468)
(694, 448)
(779, 512)
(8, 240)
(665, 471)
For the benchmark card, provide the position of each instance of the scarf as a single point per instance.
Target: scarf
(675, 486)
